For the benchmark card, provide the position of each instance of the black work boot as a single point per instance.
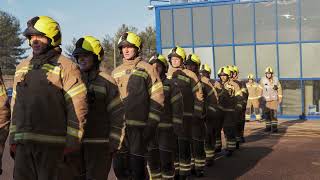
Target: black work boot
(268, 129)
(242, 140)
(199, 172)
(229, 153)
(237, 145)
(217, 150)
(209, 162)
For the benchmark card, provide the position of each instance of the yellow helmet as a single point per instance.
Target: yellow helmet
(45, 26)
(177, 52)
(269, 70)
(131, 39)
(250, 76)
(235, 69)
(193, 58)
(89, 45)
(230, 67)
(160, 59)
(205, 67)
(224, 71)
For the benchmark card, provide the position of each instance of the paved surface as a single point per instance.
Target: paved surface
(291, 154)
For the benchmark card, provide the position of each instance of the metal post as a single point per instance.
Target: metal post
(114, 53)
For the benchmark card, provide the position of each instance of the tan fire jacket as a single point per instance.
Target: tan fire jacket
(4, 114)
(141, 91)
(190, 87)
(254, 90)
(105, 122)
(210, 95)
(229, 94)
(49, 101)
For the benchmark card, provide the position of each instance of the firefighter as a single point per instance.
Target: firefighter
(211, 109)
(192, 95)
(241, 113)
(161, 162)
(193, 63)
(272, 95)
(48, 105)
(4, 118)
(254, 94)
(104, 130)
(141, 91)
(229, 101)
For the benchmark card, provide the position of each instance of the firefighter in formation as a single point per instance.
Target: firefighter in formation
(156, 119)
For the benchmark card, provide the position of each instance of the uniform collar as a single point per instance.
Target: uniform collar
(44, 58)
(132, 62)
(90, 75)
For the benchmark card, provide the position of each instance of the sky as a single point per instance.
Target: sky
(83, 17)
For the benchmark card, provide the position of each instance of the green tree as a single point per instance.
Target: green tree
(11, 51)
(148, 37)
(70, 48)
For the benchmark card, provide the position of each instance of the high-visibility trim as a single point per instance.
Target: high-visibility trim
(227, 110)
(175, 98)
(212, 108)
(165, 176)
(140, 73)
(23, 70)
(135, 123)
(169, 77)
(239, 105)
(177, 120)
(119, 74)
(13, 128)
(154, 116)
(211, 92)
(248, 117)
(258, 116)
(187, 114)
(94, 140)
(183, 78)
(165, 125)
(74, 132)
(155, 175)
(196, 87)
(81, 88)
(52, 69)
(198, 108)
(166, 88)
(280, 96)
(185, 164)
(99, 89)
(184, 168)
(115, 136)
(39, 137)
(114, 102)
(2, 91)
(155, 87)
(256, 97)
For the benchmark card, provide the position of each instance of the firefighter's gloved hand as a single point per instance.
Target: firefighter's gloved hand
(275, 87)
(13, 148)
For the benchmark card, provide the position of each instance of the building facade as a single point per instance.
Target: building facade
(252, 34)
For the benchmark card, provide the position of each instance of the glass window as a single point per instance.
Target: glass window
(288, 21)
(202, 26)
(206, 57)
(182, 27)
(245, 60)
(312, 97)
(310, 20)
(291, 103)
(166, 28)
(310, 59)
(266, 56)
(166, 52)
(289, 60)
(243, 23)
(265, 22)
(223, 56)
(222, 25)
